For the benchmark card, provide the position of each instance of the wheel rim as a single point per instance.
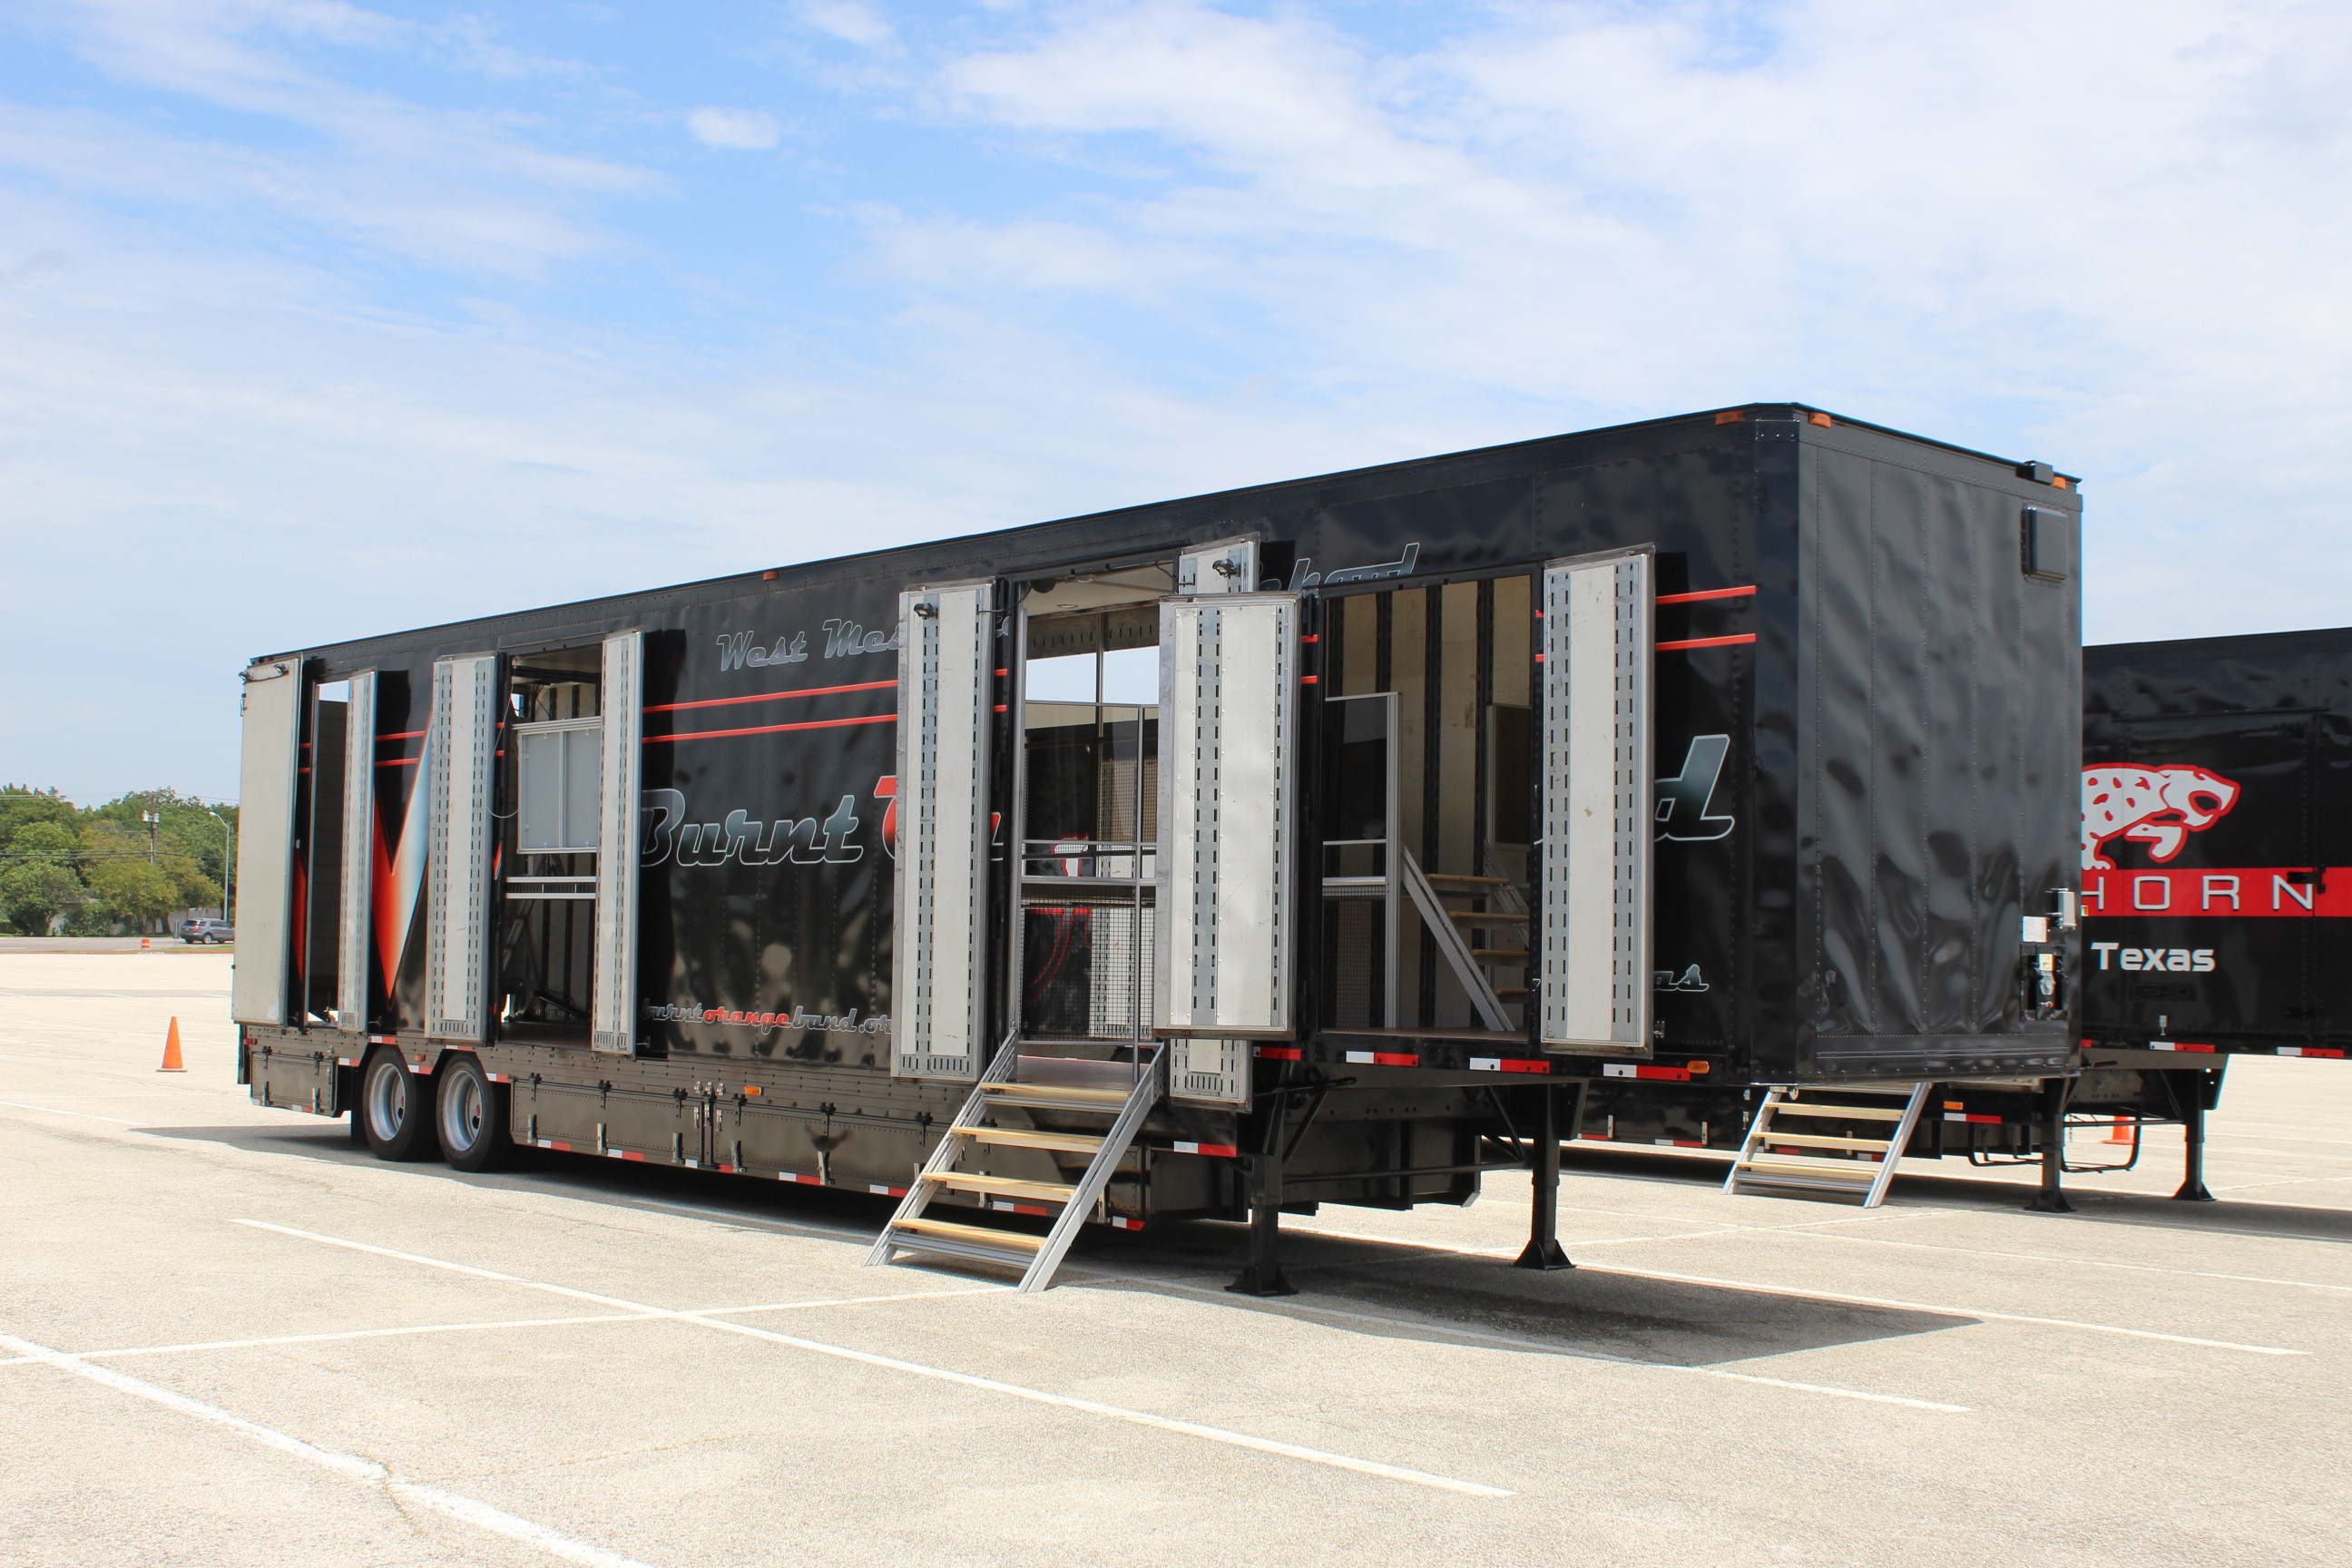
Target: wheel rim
(461, 1112)
(388, 1100)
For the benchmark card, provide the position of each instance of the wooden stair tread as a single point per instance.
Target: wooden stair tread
(1843, 1170)
(1824, 1141)
(1053, 1094)
(1858, 1112)
(978, 1235)
(1005, 1186)
(1021, 1138)
(1488, 917)
(1434, 878)
(1500, 955)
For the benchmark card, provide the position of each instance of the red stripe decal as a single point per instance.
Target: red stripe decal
(1693, 598)
(771, 729)
(1706, 642)
(774, 696)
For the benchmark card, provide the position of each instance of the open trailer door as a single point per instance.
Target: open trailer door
(273, 690)
(938, 988)
(355, 922)
(613, 1022)
(1228, 831)
(461, 746)
(1596, 643)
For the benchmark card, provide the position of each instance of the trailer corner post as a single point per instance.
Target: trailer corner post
(1543, 1249)
(2051, 1199)
(2200, 1086)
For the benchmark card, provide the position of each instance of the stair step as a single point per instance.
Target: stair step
(1823, 1140)
(1510, 991)
(1016, 1243)
(1861, 1177)
(1858, 1112)
(1054, 1096)
(1488, 917)
(1005, 1187)
(1435, 878)
(1499, 954)
(1021, 1137)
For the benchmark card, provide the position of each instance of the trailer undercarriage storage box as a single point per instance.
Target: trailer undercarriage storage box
(1340, 825)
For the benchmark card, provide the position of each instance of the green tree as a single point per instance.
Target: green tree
(133, 879)
(37, 879)
(23, 807)
(190, 830)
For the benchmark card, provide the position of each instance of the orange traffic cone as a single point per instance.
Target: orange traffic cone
(171, 1062)
(2122, 1133)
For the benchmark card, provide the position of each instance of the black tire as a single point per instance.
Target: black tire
(469, 1113)
(395, 1110)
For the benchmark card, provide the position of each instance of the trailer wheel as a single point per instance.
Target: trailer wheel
(391, 1108)
(471, 1113)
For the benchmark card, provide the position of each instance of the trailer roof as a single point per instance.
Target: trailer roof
(1533, 455)
(2244, 645)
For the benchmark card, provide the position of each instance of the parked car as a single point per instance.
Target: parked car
(202, 931)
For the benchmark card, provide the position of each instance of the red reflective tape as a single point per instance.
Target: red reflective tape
(551, 1143)
(2176, 1045)
(770, 729)
(502, 1077)
(887, 1192)
(1001, 707)
(1118, 1221)
(1692, 598)
(1628, 1069)
(1214, 1150)
(1386, 1058)
(1281, 1053)
(2309, 1051)
(1706, 642)
(795, 1176)
(1507, 1064)
(727, 1170)
(1312, 637)
(1308, 679)
(1677, 1143)
(767, 697)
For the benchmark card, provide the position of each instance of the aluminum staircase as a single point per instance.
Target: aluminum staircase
(1775, 1160)
(973, 1131)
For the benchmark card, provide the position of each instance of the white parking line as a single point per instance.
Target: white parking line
(1947, 1312)
(53, 1111)
(2079, 1262)
(918, 1369)
(349, 1465)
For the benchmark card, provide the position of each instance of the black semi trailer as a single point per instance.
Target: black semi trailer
(1329, 841)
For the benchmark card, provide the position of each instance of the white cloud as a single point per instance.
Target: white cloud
(741, 129)
(848, 20)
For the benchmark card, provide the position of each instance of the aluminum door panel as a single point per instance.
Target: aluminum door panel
(356, 917)
(462, 742)
(1228, 723)
(265, 840)
(613, 1007)
(938, 982)
(1596, 639)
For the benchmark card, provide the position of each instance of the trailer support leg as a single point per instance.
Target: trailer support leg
(1543, 1226)
(1262, 1275)
(2051, 1199)
(2192, 1128)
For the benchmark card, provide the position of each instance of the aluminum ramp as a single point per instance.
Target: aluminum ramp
(1778, 1157)
(973, 1131)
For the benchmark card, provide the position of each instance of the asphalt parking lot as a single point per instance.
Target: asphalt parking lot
(233, 1338)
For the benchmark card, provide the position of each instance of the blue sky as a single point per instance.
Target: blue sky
(320, 319)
